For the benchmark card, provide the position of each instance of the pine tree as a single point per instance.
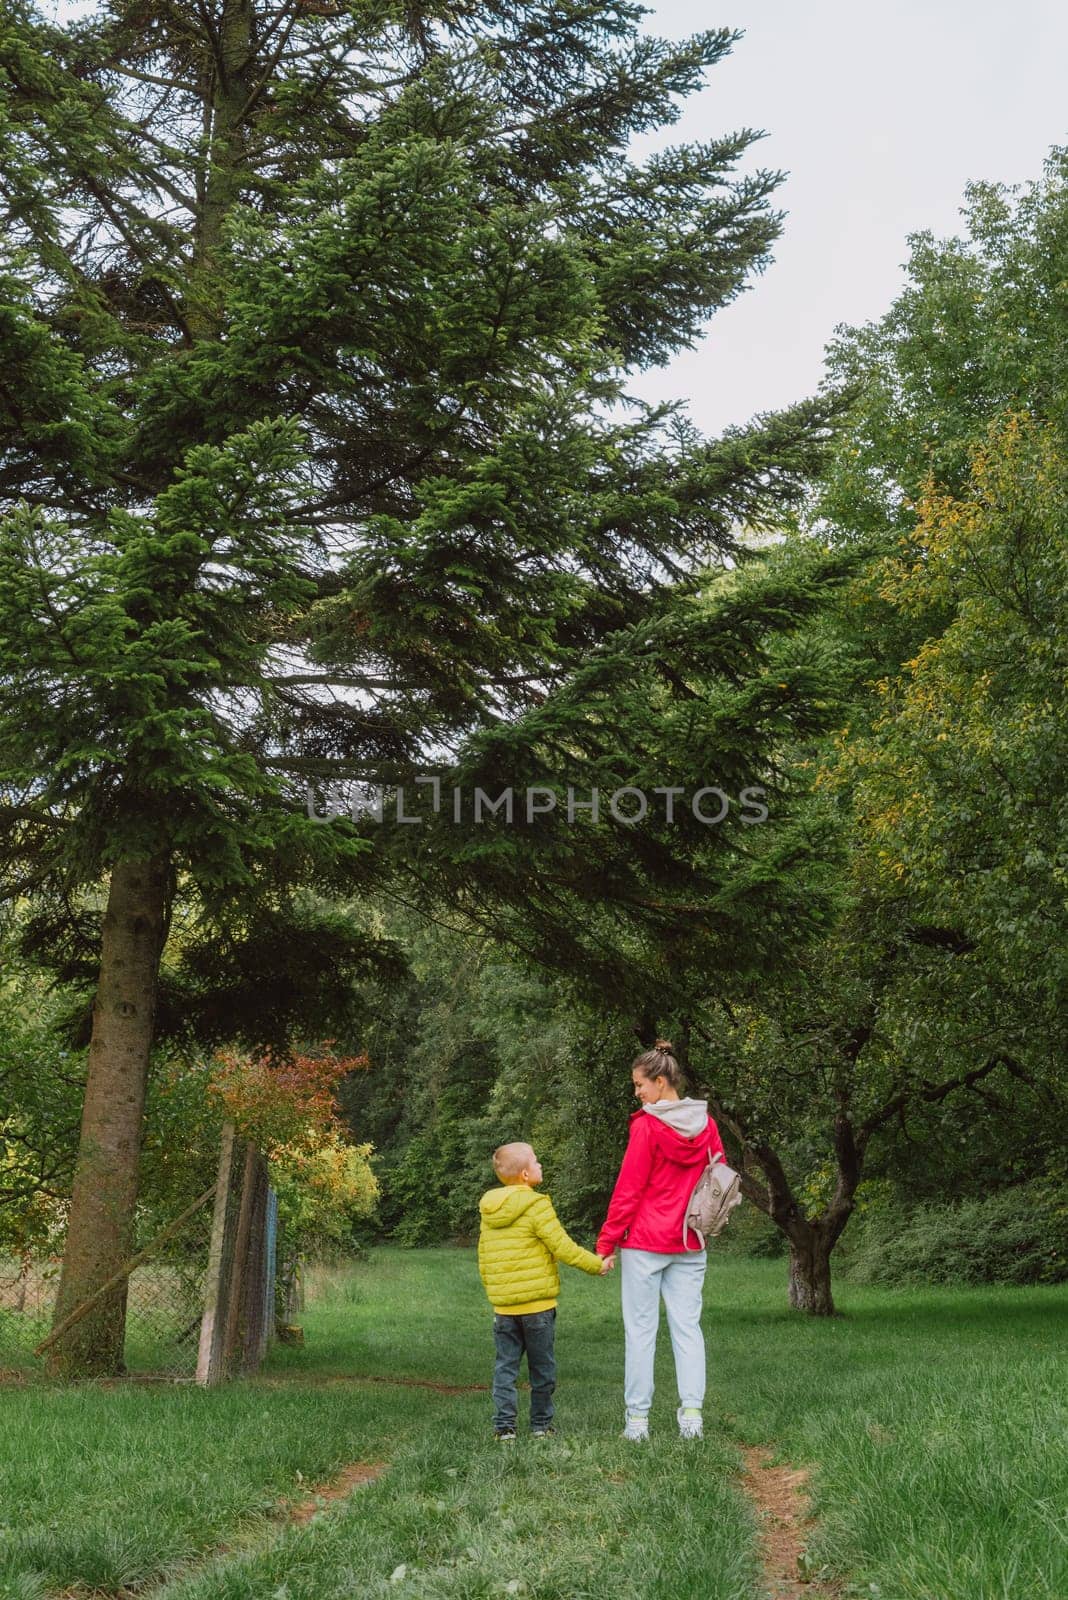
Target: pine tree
(317, 320)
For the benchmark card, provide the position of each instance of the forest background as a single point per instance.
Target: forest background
(320, 468)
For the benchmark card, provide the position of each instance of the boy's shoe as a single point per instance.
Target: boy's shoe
(637, 1426)
(504, 1433)
(690, 1424)
(547, 1432)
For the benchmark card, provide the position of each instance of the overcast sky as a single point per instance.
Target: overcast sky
(881, 111)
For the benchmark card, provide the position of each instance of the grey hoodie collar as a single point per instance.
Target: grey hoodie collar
(684, 1116)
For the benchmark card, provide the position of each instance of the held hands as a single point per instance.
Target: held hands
(607, 1264)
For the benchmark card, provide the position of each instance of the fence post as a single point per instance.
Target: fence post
(210, 1357)
(235, 1287)
(271, 1254)
(250, 1299)
(239, 1287)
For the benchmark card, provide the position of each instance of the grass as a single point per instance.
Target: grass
(933, 1422)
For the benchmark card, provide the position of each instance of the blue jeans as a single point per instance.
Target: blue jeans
(647, 1275)
(534, 1334)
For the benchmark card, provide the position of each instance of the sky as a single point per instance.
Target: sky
(881, 111)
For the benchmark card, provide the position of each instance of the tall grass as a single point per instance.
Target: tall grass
(933, 1422)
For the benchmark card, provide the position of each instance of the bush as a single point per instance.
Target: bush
(1017, 1236)
(750, 1233)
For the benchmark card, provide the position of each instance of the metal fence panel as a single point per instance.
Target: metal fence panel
(201, 1307)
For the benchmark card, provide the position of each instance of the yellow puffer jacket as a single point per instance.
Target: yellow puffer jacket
(519, 1244)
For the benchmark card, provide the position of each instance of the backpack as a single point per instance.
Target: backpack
(717, 1192)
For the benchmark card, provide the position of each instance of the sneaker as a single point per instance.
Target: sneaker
(546, 1432)
(637, 1426)
(504, 1433)
(690, 1423)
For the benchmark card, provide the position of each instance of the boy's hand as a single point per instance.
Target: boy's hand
(607, 1264)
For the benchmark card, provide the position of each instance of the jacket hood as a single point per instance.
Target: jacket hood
(682, 1131)
(499, 1208)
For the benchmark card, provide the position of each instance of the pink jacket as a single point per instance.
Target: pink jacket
(658, 1175)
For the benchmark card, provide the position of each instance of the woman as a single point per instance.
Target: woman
(670, 1142)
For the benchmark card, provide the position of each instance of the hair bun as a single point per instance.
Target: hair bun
(665, 1045)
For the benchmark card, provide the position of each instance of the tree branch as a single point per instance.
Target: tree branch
(276, 56)
(932, 1094)
(149, 77)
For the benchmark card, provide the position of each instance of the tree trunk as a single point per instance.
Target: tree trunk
(228, 90)
(100, 1232)
(810, 1274)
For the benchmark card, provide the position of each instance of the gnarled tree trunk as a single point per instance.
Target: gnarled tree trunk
(810, 1273)
(100, 1234)
(812, 1240)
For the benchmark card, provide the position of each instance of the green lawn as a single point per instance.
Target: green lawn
(934, 1422)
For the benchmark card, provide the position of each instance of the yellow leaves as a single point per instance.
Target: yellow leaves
(891, 864)
(977, 700)
(324, 1190)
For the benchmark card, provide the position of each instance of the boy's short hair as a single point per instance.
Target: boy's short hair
(510, 1159)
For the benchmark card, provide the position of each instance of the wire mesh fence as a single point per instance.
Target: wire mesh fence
(165, 1304)
(28, 1287)
(201, 1306)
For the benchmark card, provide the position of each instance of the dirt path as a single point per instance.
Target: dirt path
(327, 1494)
(286, 1512)
(777, 1493)
(785, 1520)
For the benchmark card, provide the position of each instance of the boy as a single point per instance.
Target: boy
(519, 1243)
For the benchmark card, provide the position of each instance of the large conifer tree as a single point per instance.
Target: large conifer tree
(314, 320)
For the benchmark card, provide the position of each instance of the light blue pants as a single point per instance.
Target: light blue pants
(646, 1275)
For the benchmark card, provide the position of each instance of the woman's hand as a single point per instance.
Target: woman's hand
(607, 1264)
